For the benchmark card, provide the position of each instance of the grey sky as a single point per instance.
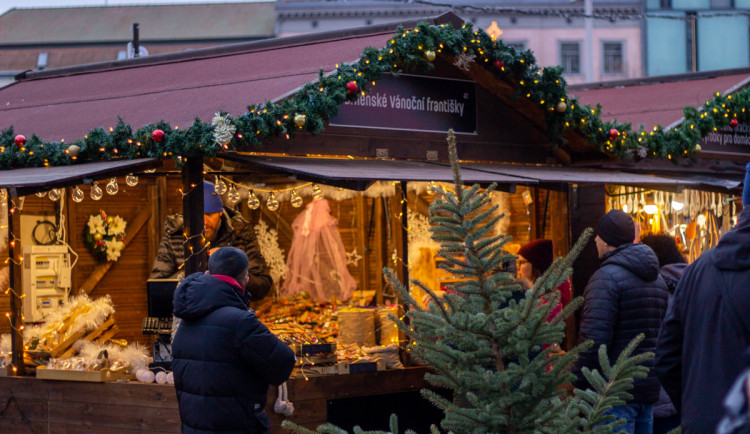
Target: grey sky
(8, 4)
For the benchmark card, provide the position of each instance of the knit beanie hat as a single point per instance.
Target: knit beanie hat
(746, 187)
(539, 253)
(616, 228)
(211, 199)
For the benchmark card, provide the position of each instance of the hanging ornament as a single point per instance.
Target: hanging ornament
(233, 196)
(613, 134)
(351, 87)
(429, 55)
(41, 193)
(499, 64)
(317, 194)
(112, 187)
(77, 195)
(96, 192)
(464, 61)
(157, 135)
(109, 220)
(296, 201)
(698, 148)
(131, 180)
(20, 140)
(54, 195)
(252, 201)
(98, 236)
(561, 107)
(272, 203)
(733, 123)
(300, 119)
(220, 186)
(74, 150)
(223, 129)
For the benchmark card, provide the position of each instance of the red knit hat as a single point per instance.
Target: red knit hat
(539, 253)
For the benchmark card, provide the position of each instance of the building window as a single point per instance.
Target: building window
(518, 45)
(41, 61)
(570, 57)
(613, 57)
(665, 4)
(722, 4)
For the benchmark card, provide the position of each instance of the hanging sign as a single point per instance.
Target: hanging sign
(413, 103)
(728, 141)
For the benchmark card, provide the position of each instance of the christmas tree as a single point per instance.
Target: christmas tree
(488, 340)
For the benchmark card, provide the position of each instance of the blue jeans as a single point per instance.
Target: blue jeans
(639, 418)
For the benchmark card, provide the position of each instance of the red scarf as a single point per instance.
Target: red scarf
(230, 280)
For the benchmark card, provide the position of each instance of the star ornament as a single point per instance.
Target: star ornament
(464, 61)
(352, 258)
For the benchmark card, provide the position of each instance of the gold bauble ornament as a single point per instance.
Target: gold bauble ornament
(300, 119)
(561, 107)
(698, 148)
(110, 220)
(98, 236)
(74, 150)
(429, 55)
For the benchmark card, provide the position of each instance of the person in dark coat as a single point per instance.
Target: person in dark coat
(222, 227)
(707, 328)
(224, 359)
(624, 298)
(671, 266)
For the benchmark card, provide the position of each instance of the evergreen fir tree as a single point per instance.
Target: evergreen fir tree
(489, 340)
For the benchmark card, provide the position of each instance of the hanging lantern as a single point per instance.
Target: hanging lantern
(77, 195)
(252, 201)
(233, 196)
(219, 186)
(112, 187)
(96, 192)
(54, 195)
(272, 203)
(131, 180)
(317, 194)
(296, 200)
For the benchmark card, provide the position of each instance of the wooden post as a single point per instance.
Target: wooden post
(379, 204)
(361, 243)
(16, 290)
(405, 234)
(192, 211)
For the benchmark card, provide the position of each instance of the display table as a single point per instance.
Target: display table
(28, 404)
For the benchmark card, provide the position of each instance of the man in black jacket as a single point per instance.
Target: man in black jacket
(707, 328)
(224, 358)
(222, 227)
(624, 298)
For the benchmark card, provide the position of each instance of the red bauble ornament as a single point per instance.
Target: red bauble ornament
(351, 87)
(20, 140)
(499, 64)
(157, 135)
(613, 133)
(733, 123)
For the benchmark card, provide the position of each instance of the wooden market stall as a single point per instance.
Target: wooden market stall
(374, 159)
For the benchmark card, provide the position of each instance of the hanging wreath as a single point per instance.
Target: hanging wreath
(104, 236)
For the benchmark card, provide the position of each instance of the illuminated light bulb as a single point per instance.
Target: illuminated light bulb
(625, 208)
(296, 201)
(317, 193)
(112, 187)
(233, 196)
(701, 220)
(252, 201)
(272, 204)
(96, 192)
(131, 180)
(54, 195)
(41, 193)
(219, 186)
(651, 209)
(77, 195)
(677, 205)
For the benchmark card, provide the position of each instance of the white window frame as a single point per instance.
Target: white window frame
(604, 58)
(567, 72)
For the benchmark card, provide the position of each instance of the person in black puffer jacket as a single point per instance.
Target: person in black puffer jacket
(224, 359)
(625, 297)
(222, 227)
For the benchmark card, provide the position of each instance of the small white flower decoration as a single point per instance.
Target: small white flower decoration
(117, 227)
(464, 61)
(114, 249)
(96, 225)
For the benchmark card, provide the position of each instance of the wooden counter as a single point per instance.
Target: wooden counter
(28, 404)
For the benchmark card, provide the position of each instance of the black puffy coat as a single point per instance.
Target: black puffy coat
(701, 344)
(224, 359)
(234, 231)
(625, 297)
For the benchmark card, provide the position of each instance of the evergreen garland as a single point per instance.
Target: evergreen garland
(408, 50)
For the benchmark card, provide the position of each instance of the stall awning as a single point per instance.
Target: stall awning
(554, 175)
(21, 182)
(358, 174)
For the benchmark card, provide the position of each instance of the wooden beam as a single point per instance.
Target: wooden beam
(361, 238)
(16, 285)
(378, 203)
(101, 270)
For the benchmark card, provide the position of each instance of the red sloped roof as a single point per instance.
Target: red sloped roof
(68, 103)
(658, 100)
